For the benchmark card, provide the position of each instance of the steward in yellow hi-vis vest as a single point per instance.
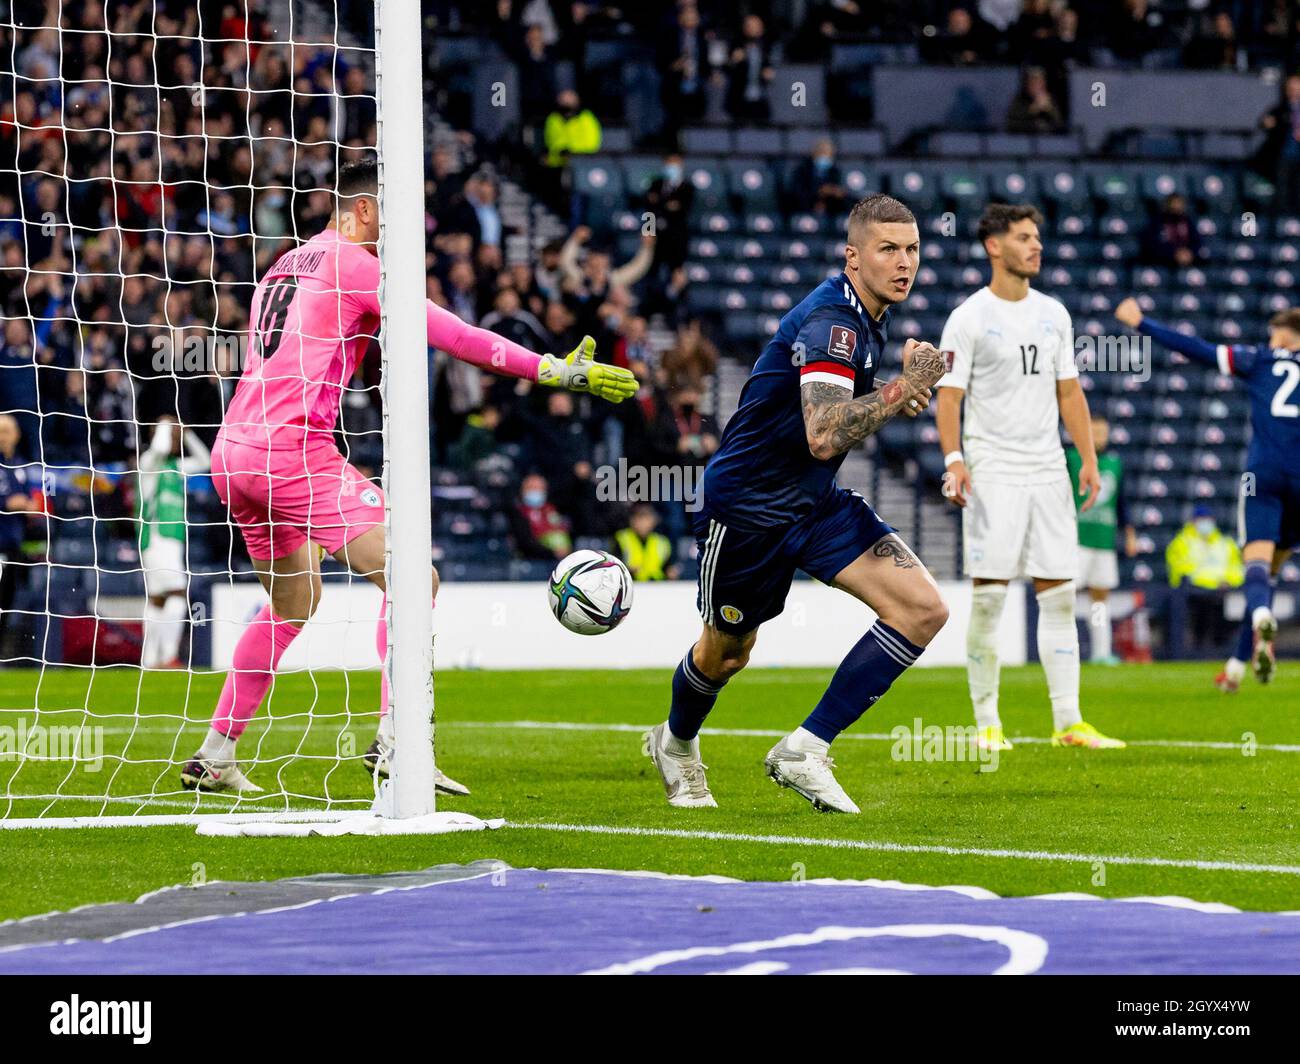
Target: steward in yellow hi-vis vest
(1203, 556)
(647, 554)
(570, 129)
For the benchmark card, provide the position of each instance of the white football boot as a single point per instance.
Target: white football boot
(684, 781)
(810, 776)
(213, 776)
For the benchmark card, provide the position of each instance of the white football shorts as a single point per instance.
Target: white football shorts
(163, 562)
(1015, 530)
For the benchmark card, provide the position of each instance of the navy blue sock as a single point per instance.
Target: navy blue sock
(877, 659)
(693, 697)
(1258, 588)
(1245, 639)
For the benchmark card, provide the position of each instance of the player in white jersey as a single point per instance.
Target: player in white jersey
(1011, 353)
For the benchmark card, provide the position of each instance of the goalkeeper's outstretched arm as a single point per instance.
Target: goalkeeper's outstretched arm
(1130, 314)
(578, 371)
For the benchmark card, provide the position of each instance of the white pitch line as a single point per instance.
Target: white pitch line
(902, 847)
(776, 733)
(743, 733)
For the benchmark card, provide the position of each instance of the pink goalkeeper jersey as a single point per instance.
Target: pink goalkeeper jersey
(312, 318)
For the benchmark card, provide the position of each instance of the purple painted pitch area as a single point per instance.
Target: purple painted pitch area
(531, 921)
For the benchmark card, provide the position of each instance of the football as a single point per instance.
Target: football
(590, 592)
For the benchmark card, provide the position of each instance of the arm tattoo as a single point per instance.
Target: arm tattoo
(892, 547)
(835, 421)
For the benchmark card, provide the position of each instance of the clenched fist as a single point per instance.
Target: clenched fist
(923, 364)
(1129, 313)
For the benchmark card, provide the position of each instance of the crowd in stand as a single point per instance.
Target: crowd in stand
(699, 39)
(548, 302)
(734, 46)
(137, 211)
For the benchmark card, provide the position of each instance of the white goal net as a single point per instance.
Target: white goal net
(157, 161)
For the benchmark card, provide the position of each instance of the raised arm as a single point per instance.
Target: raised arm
(1130, 314)
(197, 459)
(160, 446)
(834, 421)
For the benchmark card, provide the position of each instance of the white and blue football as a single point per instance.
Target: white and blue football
(590, 592)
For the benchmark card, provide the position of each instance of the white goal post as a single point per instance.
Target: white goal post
(95, 739)
(399, 80)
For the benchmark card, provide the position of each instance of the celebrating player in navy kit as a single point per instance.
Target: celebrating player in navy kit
(771, 506)
(1269, 514)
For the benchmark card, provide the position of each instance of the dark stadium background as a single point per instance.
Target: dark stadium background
(189, 143)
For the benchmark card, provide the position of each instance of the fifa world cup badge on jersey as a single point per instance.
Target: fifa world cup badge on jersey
(731, 615)
(948, 357)
(370, 497)
(843, 342)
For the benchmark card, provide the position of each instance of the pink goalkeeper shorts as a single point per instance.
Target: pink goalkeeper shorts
(281, 499)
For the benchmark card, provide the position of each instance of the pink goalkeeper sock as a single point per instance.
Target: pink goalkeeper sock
(381, 645)
(256, 657)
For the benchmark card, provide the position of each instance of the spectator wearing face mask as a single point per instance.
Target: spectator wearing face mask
(670, 197)
(537, 527)
(1204, 565)
(633, 343)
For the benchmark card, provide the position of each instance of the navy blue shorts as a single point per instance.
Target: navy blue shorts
(745, 576)
(1272, 510)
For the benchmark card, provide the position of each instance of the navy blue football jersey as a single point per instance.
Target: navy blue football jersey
(763, 474)
(1272, 379)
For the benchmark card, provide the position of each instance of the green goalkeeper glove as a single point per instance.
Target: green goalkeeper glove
(579, 373)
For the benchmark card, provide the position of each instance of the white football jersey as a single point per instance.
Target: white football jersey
(1007, 357)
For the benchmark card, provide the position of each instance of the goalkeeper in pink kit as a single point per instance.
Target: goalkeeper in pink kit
(275, 464)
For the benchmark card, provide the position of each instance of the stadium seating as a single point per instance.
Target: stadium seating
(1181, 434)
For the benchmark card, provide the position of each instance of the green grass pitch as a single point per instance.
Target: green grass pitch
(1045, 821)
